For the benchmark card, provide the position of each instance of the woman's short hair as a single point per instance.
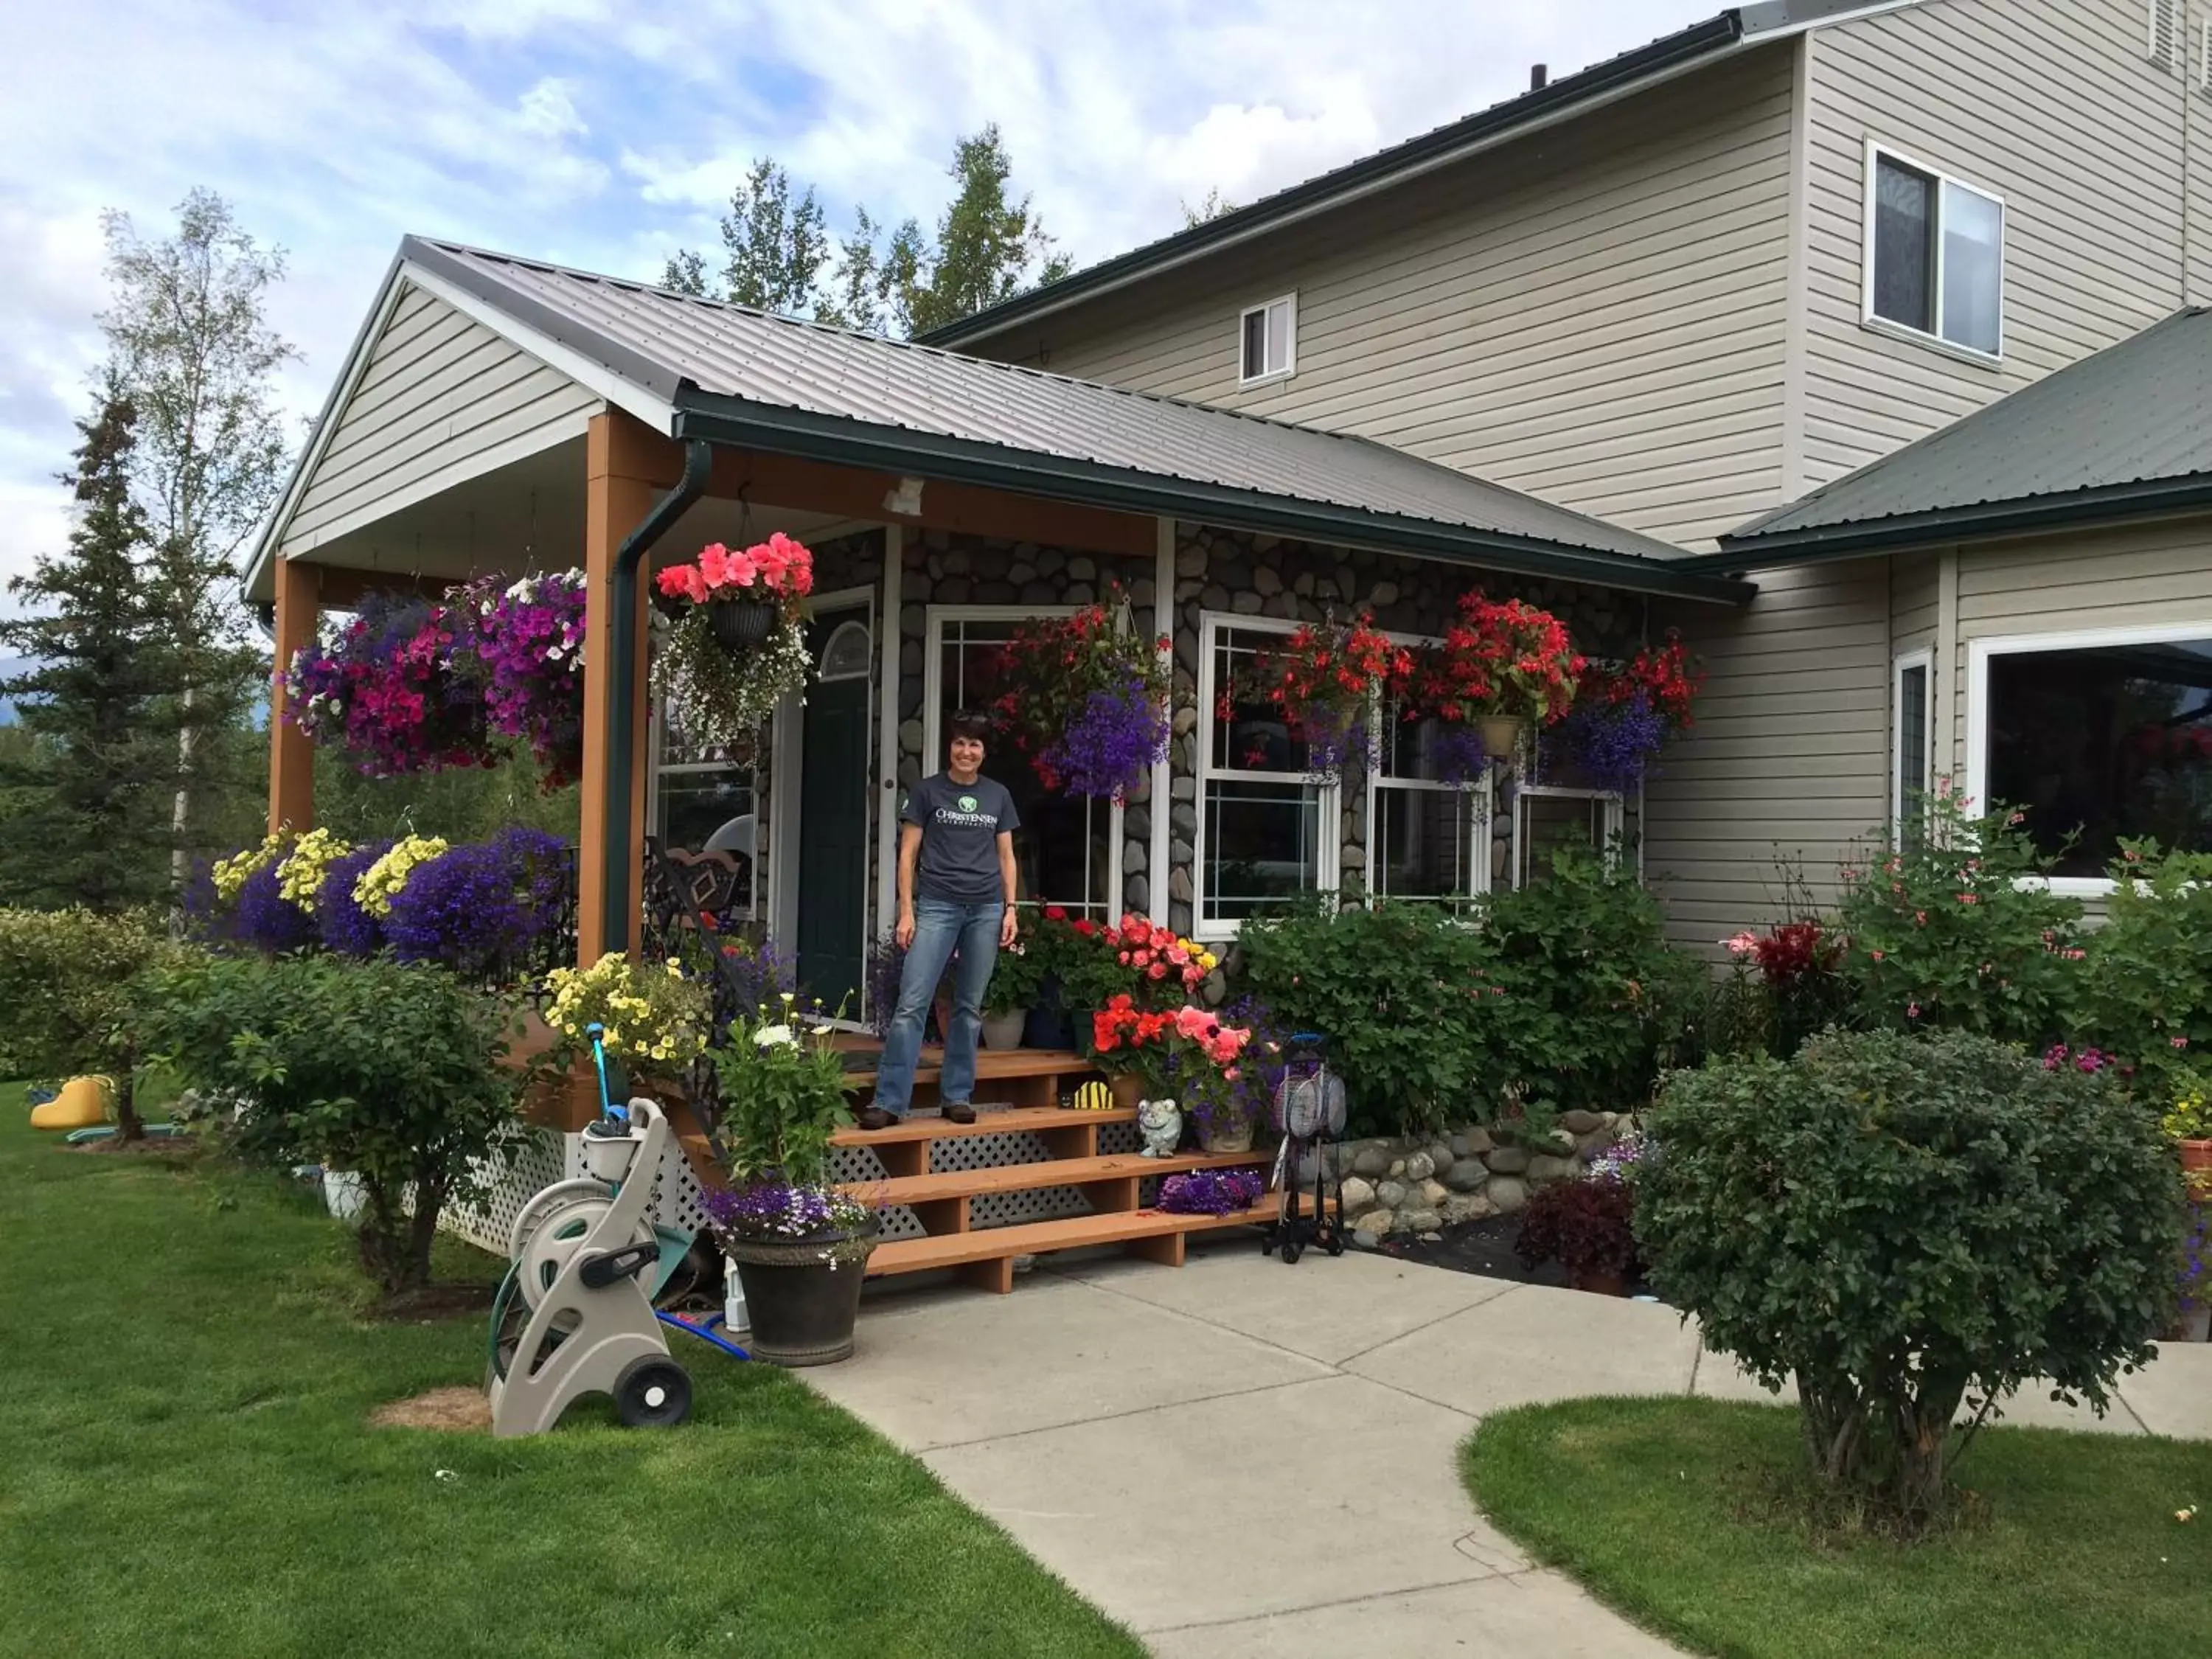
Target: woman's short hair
(969, 723)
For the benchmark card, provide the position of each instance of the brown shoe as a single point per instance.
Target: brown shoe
(957, 1111)
(875, 1117)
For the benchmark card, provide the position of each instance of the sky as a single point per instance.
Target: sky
(604, 135)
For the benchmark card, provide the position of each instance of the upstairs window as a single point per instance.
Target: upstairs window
(1270, 337)
(1935, 255)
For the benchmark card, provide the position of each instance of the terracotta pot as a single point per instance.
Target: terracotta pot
(1225, 1137)
(740, 623)
(1600, 1283)
(1127, 1088)
(1501, 736)
(2196, 1154)
(1005, 1030)
(802, 1301)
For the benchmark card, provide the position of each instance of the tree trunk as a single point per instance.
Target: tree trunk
(1835, 1432)
(128, 1125)
(180, 809)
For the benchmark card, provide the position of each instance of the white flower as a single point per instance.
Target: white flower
(773, 1036)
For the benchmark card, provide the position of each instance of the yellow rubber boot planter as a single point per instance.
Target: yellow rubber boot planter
(82, 1104)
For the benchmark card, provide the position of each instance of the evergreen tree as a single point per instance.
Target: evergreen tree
(86, 781)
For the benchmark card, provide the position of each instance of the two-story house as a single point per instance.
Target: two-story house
(1564, 348)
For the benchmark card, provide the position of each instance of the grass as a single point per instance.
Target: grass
(185, 1468)
(1692, 1517)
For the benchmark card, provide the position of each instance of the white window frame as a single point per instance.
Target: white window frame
(1978, 653)
(1485, 803)
(1900, 666)
(1877, 153)
(1273, 372)
(1328, 848)
(1616, 820)
(932, 745)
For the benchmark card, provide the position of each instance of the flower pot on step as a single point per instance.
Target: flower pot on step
(2195, 1155)
(1127, 1088)
(1005, 1030)
(740, 624)
(1226, 1137)
(1501, 736)
(803, 1295)
(1047, 1025)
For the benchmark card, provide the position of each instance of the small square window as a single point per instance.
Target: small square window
(1934, 256)
(1269, 340)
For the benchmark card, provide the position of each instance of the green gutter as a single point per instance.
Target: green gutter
(621, 861)
(1699, 40)
(1909, 531)
(842, 441)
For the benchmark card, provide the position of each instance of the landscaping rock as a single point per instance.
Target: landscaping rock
(1544, 1171)
(1419, 1166)
(1470, 1142)
(1354, 1195)
(1420, 1221)
(1507, 1194)
(1378, 1223)
(1442, 1157)
(1371, 1161)
(1597, 1141)
(1506, 1160)
(1434, 1192)
(1397, 1166)
(1581, 1123)
(1366, 1240)
(1466, 1175)
(1391, 1194)
(1466, 1206)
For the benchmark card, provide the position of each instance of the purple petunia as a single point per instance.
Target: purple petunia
(525, 650)
(1113, 740)
(1211, 1192)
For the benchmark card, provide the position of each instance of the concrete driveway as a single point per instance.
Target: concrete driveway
(1242, 1458)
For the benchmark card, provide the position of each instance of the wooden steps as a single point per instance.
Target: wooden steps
(1114, 1167)
(987, 1257)
(1015, 1121)
(1019, 1077)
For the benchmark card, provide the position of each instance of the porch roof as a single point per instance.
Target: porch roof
(777, 385)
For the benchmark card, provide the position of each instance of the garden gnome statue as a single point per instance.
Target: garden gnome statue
(1160, 1123)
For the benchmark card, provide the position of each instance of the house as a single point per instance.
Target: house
(1562, 349)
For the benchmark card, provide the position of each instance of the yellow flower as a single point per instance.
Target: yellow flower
(382, 881)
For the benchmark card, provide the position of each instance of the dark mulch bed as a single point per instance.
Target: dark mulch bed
(1484, 1246)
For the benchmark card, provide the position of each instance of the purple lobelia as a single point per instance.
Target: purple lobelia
(1611, 743)
(262, 917)
(479, 908)
(1113, 740)
(347, 928)
(1212, 1192)
(1458, 755)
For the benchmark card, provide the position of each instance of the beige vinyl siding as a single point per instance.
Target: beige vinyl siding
(440, 393)
(1915, 601)
(1595, 314)
(1790, 756)
(2053, 107)
(2198, 100)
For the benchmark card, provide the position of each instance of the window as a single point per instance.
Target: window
(1427, 838)
(1935, 255)
(1064, 851)
(1269, 340)
(702, 802)
(2095, 737)
(1547, 818)
(1265, 833)
(1913, 735)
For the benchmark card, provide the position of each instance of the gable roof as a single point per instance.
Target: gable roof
(2124, 432)
(702, 368)
(1737, 29)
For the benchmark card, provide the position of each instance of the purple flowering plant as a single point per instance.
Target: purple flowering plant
(478, 909)
(262, 918)
(1212, 1192)
(1111, 742)
(1086, 698)
(1611, 742)
(1458, 755)
(523, 648)
(384, 686)
(348, 928)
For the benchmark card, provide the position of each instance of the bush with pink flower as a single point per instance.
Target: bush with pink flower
(736, 645)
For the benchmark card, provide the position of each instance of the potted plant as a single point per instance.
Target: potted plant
(1130, 1045)
(2189, 1121)
(1324, 681)
(652, 1023)
(799, 1245)
(1011, 994)
(1052, 944)
(525, 649)
(1587, 1226)
(1203, 1068)
(1086, 699)
(1501, 666)
(1157, 967)
(1625, 713)
(386, 685)
(738, 645)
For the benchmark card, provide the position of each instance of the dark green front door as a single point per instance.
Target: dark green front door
(833, 832)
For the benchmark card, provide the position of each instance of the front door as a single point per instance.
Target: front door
(832, 854)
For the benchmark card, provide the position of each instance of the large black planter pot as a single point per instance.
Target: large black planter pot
(1047, 1025)
(740, 624)
(802, 1302)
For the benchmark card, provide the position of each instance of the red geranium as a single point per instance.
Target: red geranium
(1502, 656)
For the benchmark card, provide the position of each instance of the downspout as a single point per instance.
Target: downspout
(622, 597)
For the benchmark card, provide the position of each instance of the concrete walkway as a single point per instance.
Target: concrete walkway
(1242, 1458)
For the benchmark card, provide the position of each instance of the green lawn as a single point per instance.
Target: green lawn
(184, 1469)
(1687, 1516)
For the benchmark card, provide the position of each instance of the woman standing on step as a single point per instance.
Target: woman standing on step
(956, 894)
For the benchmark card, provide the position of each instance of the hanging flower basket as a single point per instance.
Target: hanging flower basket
(738, 646)
(1503, 666)
(1624, 713)
(1086, 699)
(1324, 681)
(525, 650)
(386, 686)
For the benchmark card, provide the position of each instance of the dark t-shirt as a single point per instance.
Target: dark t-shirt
(961, 824)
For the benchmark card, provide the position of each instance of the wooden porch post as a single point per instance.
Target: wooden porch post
(291, 754)
(621, 460)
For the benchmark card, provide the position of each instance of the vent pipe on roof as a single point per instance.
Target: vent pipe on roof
(1538, 75)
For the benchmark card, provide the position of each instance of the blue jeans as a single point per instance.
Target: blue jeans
(940, 926)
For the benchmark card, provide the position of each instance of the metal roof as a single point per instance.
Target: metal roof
(781, 385)
(1568, 96)
(2125, 431)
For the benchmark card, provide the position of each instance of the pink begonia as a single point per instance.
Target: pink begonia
(1742, 944)
(714, 563)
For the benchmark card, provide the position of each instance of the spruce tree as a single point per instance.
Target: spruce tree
(86, 815)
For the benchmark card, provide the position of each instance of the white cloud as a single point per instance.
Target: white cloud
(584, 132)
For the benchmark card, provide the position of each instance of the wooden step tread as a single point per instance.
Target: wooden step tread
(992, 1063)
(1016, 1120)
(1045, 1172)
(913, 1255)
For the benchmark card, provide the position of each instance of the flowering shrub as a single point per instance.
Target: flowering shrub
(1324, 681)
(651, 1018)
(2147, 995)
(299, 873)
(347, 926)
(722, 693)
(383, 878)
(1501, 657)
(1085, 701)
(479, 907)
(525, 649)
(1799, 989)
(1951, 929)
(1212, 1192)
(386, 686)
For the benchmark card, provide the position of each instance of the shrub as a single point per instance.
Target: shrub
(1587, 1226)
(1951, 929)
(390, 1071)
(70, 982)
(1907, 1225)
(2146, 997)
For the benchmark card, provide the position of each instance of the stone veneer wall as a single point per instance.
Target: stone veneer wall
(1419, 1183)
(1236, 574)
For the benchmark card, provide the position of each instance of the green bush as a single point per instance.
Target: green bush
(69, 982)
(2147, 998)
(1951, 929)
(389, 1070)
(1910, 1224)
